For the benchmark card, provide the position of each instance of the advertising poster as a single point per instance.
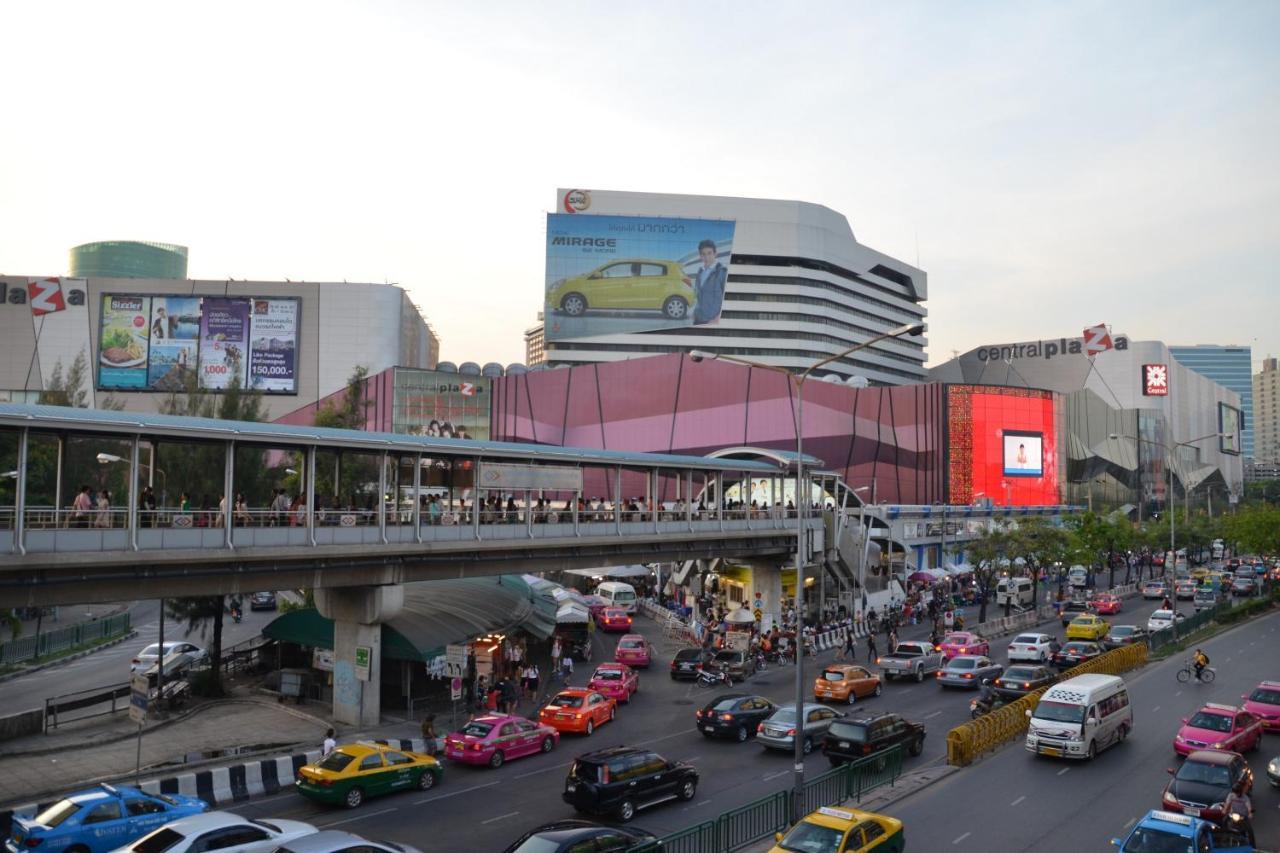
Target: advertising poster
(224, 342)
(122, 341)
(273, 346)
(447, 405)
(610, 274)
(1229, 427)
(174, 335)
(1023, 456)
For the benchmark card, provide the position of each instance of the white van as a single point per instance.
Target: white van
(1015, 591)
(618, 594)
(1080, 717)
(1078, 577)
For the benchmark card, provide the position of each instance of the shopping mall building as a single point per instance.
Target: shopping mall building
(143, 338)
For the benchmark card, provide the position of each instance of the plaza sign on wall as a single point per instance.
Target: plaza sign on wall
(1049, 349)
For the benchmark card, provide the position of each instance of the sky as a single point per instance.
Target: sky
(1050, 165)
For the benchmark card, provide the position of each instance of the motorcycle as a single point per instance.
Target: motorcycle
(710, 676)
(978, 708)
(236, 615)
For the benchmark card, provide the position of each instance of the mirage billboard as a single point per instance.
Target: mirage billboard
(611, 274)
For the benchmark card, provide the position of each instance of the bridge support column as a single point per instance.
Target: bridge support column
(358, 614)
(767, 581)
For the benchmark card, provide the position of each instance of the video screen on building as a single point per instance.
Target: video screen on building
(1229, 429)
(449, 405)
(1023, 456)
(611, 274)
(172, 343)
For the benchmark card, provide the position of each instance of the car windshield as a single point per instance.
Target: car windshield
(688, 654)
(962, 663)
(540, 844)
(812, 838)
(477, 729)
(1162, 616)
(1082, 620)
(1150, 840)
(1212, 722)
(56, 813)
(158, 841)
(336, 760)
(613, 613)
(1208, 774)
(956, 639)
(1077, 648)
(1121, 631)
(849, 731)
(727, 657)
(607, 675)
(784, 715)
(833, 675)
(1265, 695)
(567, 700)
(1027, 639)
(631, 644)
(1018, 673)
(904, 651)
(726, 704)
(1059, 712)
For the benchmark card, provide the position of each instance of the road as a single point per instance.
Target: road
(111, 666)
(484, 809)
(1047, 806)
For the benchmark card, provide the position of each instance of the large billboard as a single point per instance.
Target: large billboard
(611, 274)
(1229, 429)
(1023, 453)
(163, 342)
(1002, 446)
(449, 405)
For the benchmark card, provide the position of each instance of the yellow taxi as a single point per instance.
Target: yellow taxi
(1199, 573)
(836, 830)
(355, 771)
(1087, 627)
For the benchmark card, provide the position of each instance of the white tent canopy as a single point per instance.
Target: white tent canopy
(572, 613)
(741, 616)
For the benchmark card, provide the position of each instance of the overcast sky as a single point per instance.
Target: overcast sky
(1051, 165)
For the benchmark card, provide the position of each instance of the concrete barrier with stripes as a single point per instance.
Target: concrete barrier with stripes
(222, 787)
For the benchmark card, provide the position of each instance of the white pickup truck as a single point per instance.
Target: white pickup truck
(914, 658)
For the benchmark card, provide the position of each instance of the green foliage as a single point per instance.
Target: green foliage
(988, 551)
(357, 473)
(73, 389)
(352, 410)
(203, 614)
(1040, 544)
(1255, 528)
(1262, 490)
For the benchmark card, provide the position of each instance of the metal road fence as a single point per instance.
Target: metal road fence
(59, 640)
(969, 740)
(747, 824)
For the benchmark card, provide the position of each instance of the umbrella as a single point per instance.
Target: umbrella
(921, 577)
(741, 616)
(572, 613)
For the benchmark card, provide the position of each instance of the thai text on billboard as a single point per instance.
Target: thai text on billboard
(273, 348)
(224, 339)
(611, 274)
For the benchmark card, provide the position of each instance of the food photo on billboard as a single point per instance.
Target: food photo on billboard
(123, 341)
(610, 274)
(1023, 453)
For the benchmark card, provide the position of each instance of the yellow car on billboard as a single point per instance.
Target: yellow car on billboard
(626, 285)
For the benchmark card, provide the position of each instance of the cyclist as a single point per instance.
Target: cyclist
(1199, 661)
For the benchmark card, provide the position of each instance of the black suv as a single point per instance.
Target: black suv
(686, 664)
(857, 737)
(623, 779)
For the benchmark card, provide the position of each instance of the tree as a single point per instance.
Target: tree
(73, 389)
(1255, 528)
(1100, 538)
(204, 613)
(988, 551)
(350, 411)
(1041, 545)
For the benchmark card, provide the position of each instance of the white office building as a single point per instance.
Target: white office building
(800, 288)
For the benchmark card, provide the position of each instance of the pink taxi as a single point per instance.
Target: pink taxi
(1264, 703)
(632, 650)
(963, 643)
(1107, 604)
(1217, 726)
(615, 680)
(494, 738)
(614, 619)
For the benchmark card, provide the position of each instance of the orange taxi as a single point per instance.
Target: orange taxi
(845, 682)
(578, 709)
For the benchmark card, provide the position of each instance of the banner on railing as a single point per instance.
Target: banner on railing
(511, 477)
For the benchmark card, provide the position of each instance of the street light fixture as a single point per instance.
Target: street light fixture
(797, 798)
(1168, 503)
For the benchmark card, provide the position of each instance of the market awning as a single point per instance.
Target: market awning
(572, 614)
(435, 614)
(612, 572)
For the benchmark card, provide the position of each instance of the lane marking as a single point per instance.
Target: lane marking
(1020, 799)
(1156, 708)
(931, 716)
(543, 770)
(1228, 660)
(1130, 822)
(703, 803)
(1064, 770)
(499, 817)
(962, 838)
(361, 817)
(775, 775)
(454, 793)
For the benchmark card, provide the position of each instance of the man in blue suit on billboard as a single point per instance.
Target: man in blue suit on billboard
(708, 288)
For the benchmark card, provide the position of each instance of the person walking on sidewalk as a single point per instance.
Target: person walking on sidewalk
(871, 648)
(329, 745)
(429, 733)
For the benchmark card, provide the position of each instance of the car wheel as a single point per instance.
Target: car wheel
(574, 304)
(426, 781)
(626, 810)
(79, 848)
(354, 798)
(919, 675)
(637, 690)
(917, 746)
(851, 698)
(548, 744)
(687, 789)
(613, 710)
(807, 746)
(591, 727)
(879, 689)
(675, 308)
(1093, 751)
(495, 760)
(742, 736)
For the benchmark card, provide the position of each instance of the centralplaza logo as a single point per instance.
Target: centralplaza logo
(576, 201)
(466, 389)
(45, 295)
(1045, 349)
(1155, 380)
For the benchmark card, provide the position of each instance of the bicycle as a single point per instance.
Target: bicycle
(1188, 672)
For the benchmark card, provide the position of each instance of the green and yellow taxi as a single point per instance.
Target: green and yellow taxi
(356, 771)
(1087, 627)
(837, 830)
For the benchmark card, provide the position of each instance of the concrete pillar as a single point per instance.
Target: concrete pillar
(766, 579)
(357, 614)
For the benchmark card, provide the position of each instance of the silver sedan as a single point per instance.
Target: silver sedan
(778, 731)
(968, 671)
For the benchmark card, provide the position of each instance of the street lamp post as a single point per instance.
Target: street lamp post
(798, 739)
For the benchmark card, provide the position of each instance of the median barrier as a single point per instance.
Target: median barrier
(747, 824)
(969, 740)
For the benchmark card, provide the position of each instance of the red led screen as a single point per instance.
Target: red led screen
(979, 420)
